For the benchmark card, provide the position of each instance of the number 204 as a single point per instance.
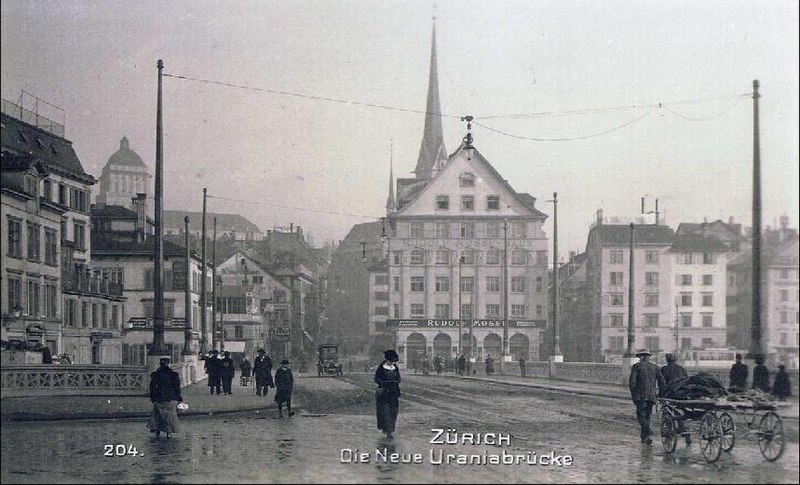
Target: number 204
(119, 450)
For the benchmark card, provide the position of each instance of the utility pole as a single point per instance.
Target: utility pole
(203, 289)
(187, 292)
(214, 291)
(460, 308)
(556, 313)
(505, 292)
(631, 337)
(677, 348)
(756, 348)
(158, 348)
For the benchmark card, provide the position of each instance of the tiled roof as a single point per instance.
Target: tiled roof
(696, 244)
(113, 211)
(55, 152)
(620, 234)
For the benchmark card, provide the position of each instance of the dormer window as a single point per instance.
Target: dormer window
(467, 179)
(442, 202)
(31, 185)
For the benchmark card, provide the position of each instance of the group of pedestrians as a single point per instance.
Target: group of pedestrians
(220, 372)
(647, 382)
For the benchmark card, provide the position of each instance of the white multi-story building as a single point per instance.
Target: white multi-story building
(782, 305)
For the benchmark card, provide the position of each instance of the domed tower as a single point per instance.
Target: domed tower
(124, 176)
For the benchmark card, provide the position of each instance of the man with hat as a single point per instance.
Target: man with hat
(672, 370)
(644, 378)
(738, 375)
(387, 395)
(213, 370)
(227, 370)
(262, 370)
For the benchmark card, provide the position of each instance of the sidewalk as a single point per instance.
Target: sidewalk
(54, 408)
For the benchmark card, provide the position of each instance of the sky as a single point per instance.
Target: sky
(562, 64)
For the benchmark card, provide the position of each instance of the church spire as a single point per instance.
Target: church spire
(391, 205)
(432, 153)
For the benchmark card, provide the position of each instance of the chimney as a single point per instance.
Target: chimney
(291, 227)
(140, 207)
(571, 256)
(730, 220)
(599, 217)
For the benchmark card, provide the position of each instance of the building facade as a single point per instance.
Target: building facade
(254, 307)
(781, 305)
(122, 177)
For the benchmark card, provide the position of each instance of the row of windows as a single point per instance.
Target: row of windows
(443, 256)
(74, 198)
(784, 317)
(442, 310)
(617, 256)
(652, 299)
(617, 344)
(33, 298)
(652, 320)
(33, 240)
(467, 202)
(519, 284)
(783, 295)
(92, 315)
(467, 229)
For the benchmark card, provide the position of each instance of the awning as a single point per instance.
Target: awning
(237, 347)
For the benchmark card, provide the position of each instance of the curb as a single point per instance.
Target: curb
(23, 417)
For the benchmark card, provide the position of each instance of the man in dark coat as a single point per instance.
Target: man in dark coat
(262, 369)
(645, 383)
(761, 375)
(213, 369)
(165, 394)
(227, 370)
(672, 370)
(782, 387)
(284, 383)
(738, 374)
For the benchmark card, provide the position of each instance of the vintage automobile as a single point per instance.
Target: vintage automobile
(328, 361)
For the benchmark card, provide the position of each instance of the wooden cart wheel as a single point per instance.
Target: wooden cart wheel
(728, 431)
(669, 438)
(710, 437)
(771, 440)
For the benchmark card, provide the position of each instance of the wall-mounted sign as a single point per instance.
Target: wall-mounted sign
(450, 323)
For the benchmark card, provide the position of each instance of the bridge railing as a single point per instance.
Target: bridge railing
(53, 380)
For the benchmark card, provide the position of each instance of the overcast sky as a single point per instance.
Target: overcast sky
(97, 61)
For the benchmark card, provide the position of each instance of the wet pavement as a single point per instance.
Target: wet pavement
(600, 435)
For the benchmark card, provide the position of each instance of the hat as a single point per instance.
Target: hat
(261, 351)
(215, 351)
(284, 361)
(670, 357)
(391, 356)
(163, 360)
(738, 356)
(227, 354)
(641, 352)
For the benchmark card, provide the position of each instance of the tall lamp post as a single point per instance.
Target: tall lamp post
(460, 308)
(158, 349)
(631, 337)
(756, 347)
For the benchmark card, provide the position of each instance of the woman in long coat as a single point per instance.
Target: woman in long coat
(165, 394)
(387, 396)
(782, 387)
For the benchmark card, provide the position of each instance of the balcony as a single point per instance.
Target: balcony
(81, 282)
(145, 323)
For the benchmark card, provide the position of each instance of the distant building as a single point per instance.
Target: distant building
(729, 233)
(575, 310)
(254, 307)
(123, 176)
(233, 226)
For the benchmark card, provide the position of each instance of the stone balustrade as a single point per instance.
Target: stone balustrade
(53, 380)
(587, 372)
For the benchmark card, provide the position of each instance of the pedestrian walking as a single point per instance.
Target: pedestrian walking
(522, 366)
(262, 369)
(761, 375)
(213, 368)
(284, 383)
(438, 363)
(426, 365)
(387, 395)
(165, 394)
(349, 366)
(672, 370)
(462, 365)
(415, 363)
(738, 375)
(245, 368)
(227, 370)
(645, 383)
(489, 365)
(782, 387)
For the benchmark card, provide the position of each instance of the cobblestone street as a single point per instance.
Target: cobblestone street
(599, 433)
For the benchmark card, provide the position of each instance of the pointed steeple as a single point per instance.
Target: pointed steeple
(432, 153)
(391, 205)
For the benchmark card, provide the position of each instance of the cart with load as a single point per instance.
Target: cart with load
(701, 401)
(328, 361)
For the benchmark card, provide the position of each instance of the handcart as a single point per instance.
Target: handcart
(717, 427)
